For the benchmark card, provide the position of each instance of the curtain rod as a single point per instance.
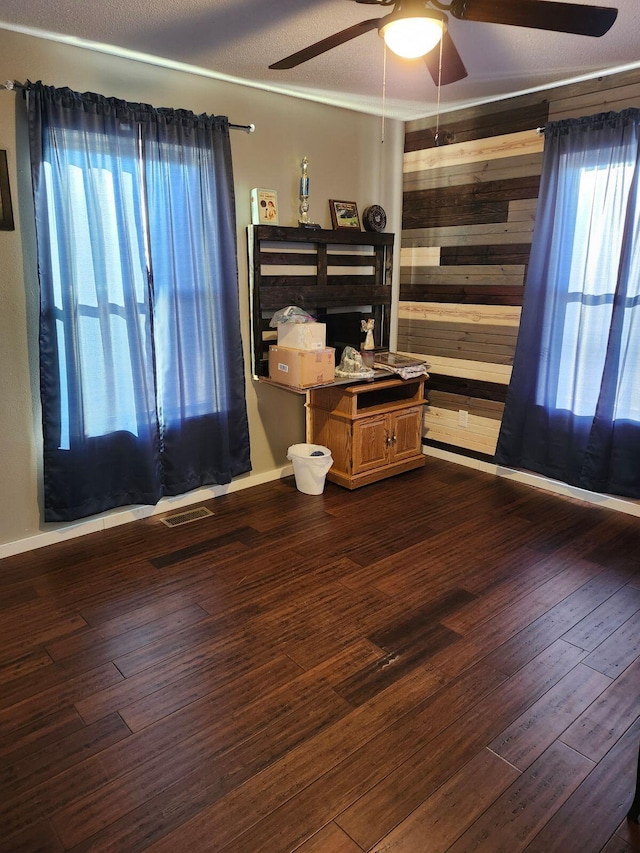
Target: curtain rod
(12, 85)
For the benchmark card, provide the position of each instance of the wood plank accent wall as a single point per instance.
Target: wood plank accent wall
(468, 215)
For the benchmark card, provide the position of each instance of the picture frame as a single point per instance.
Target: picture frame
(6, 211)
(344, 214)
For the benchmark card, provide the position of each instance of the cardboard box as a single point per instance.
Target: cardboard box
(302, 368)
(306, 336)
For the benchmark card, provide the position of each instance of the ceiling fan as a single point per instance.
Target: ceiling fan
(440, 53)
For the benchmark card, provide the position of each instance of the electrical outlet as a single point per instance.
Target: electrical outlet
(463, 418)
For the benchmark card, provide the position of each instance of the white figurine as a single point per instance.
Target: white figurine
(367, 326)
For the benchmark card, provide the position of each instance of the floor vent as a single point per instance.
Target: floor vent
(187, 516)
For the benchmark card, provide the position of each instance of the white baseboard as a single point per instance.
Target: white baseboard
(116, 517)
(626, 505)
(124, 516)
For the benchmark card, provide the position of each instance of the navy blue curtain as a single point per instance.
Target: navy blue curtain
(573, 405)
(141, 364)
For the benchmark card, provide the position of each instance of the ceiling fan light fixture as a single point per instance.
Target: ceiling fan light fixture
(412, 37)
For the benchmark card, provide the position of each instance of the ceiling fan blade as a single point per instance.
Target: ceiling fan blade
(326, 44)
(538, 14)
(452, 65)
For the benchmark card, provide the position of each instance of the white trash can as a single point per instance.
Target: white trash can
(310, 470)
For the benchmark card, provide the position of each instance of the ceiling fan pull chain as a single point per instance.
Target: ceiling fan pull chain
(384, 90)
(438, 87)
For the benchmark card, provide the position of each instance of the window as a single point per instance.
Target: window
(142, 378)
(572, 410)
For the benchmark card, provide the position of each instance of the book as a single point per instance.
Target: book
(264, 207)
(405, 366)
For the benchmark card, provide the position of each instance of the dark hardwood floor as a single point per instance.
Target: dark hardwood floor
(445, 661)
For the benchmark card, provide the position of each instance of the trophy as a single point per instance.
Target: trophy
(303, 222)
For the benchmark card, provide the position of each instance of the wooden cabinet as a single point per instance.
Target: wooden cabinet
(373, 429)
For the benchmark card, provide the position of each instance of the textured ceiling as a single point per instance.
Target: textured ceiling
(238, 39)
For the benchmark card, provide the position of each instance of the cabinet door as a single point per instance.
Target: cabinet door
(406, 434)
(371, 442)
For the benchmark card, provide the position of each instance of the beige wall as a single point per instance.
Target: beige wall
(347, 160)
